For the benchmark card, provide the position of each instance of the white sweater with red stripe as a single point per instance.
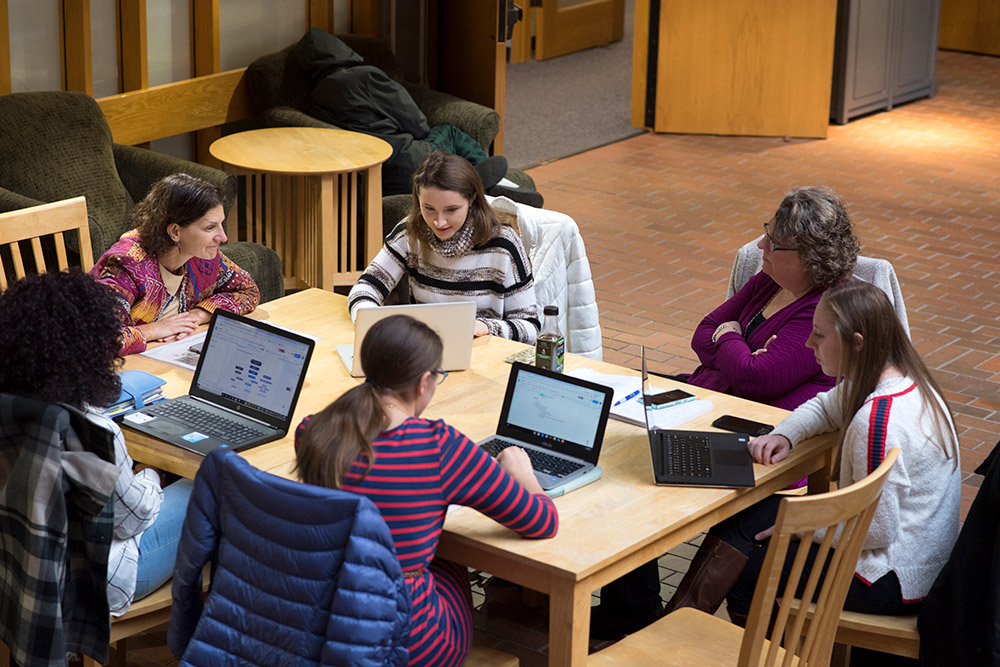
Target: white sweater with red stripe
(917, 519)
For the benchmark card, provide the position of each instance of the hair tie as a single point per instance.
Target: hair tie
(369, 381)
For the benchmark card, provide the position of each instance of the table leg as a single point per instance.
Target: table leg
(569, 624)
(329, 225)
(373, 213)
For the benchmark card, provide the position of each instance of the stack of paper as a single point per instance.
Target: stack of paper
(139, 388)
(627, 407)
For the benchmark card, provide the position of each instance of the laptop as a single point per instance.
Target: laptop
(243, 393)
(559, 420)
(454, 322)
(696, 458)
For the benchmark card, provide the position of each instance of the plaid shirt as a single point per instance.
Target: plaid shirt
(57, 473)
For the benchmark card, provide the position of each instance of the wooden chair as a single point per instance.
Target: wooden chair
(896, 635)
(48, 221)
(692, 637)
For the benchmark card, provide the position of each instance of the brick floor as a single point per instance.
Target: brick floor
(663, 215)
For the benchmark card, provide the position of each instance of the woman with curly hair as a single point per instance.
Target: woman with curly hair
(455, 247)
(167, 273)
(77, 366)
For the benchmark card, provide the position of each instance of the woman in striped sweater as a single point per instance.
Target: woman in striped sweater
(455, 247)
(372, 440)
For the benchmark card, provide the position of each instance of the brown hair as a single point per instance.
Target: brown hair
(395, 354)
(453, 173)
(179, 198)
(860, 307)
(814, 221)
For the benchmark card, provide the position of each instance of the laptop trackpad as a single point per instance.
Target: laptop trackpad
(730, 457)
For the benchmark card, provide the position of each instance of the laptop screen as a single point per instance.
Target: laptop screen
(250, 365)
(556, 410)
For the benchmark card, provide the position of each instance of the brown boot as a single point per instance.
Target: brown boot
(713, 572)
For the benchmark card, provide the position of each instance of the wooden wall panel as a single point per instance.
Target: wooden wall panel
(366, 17)
(319, 14)
(204, 37)
(5, 77)
(74, 25)
(970, 25)
(133, 63)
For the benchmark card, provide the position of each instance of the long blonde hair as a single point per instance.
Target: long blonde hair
(860, 307)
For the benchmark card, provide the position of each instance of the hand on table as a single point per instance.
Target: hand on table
(481, 329)
(769, 449)
(517, 464)
(176, 326)
(763, 349)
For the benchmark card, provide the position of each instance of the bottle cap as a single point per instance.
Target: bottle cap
(550, 310)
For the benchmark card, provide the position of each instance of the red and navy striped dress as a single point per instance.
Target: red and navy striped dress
(420, 468)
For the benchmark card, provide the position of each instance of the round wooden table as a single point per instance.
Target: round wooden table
(314, 195)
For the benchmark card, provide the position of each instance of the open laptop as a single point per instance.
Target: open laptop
(696, 458)
(243, 393)
(559, 420)
(454, 322)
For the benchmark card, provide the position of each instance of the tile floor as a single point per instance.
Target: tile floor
(662, 216)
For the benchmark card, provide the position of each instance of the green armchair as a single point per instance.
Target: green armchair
(279, 93)
(56, 145)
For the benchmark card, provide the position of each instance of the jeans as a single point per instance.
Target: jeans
(158, 544)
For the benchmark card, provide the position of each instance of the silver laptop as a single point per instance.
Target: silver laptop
(559, 420)
(696, 458)
(455, 322)
(243, 393)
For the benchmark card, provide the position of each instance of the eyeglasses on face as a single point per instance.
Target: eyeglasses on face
(440, 375)
(775, 247)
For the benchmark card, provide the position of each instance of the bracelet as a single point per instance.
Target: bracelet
(723, 328)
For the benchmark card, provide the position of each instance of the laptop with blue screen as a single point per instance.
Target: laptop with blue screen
(243, 393)
(559, 420)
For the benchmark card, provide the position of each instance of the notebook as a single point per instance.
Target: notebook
(454, 322)
(696, 458)
(559, 420)
(243, 393)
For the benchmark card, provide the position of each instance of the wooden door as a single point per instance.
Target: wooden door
(754, 67)
(562, 30)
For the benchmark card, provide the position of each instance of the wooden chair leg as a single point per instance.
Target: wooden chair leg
(4, 655)
(841, 656)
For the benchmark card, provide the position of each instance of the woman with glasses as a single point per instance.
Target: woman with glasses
(372, 440)
(754, 345)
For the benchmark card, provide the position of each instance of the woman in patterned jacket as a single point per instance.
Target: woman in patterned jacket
(167, 273)
(455, 247)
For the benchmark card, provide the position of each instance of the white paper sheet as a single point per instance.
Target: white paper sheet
(626, 406)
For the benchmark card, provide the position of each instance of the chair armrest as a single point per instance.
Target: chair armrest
(291, 117)
(140, 168)
(11, 201)
(479, 122)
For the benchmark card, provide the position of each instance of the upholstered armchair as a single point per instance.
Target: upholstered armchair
(57, 145)
(279, 93)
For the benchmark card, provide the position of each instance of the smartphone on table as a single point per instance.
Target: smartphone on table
(667, 399)
(740, 425)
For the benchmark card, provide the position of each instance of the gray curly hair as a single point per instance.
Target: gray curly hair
(814, 221)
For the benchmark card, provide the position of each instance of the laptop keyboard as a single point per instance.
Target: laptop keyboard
(211, 423)
(686, 455)
(540, 461)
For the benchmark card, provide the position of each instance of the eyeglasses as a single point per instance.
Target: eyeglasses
(771, 241)
(441, 375)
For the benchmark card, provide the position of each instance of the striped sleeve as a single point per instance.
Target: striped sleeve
(470, 476)
(519, 320)
(382, 274)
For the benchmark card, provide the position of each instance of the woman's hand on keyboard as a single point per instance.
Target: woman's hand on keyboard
(517, 464)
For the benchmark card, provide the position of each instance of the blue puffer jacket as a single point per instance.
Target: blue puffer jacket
(300, 574)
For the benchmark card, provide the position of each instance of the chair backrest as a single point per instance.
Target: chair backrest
(845, 515)
(44, 228)
(878, 272)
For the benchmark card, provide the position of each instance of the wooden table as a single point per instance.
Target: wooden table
(314, 195)
(606, 529)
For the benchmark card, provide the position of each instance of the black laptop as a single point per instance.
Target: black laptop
(559, 420)
(697, 458)
(243, 393)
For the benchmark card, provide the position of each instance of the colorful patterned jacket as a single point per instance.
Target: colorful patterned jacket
(134, 276)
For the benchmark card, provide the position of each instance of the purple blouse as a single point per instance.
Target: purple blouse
(785, 376)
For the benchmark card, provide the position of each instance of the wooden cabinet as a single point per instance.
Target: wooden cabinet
(885, 54)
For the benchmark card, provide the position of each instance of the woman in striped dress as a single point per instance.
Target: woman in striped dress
(454, 247)
(372, 440)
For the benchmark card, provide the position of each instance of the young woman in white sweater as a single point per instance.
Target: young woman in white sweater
(454, 247)
(885, 398)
